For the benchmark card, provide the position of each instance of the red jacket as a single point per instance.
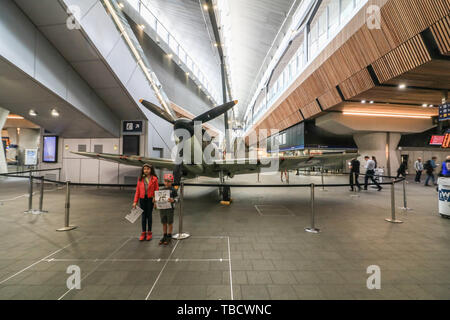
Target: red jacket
(140, 188)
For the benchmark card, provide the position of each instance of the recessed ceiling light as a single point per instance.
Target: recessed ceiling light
(187, 73)
(431, 106)
(141, 26)
(402, 86)
(32, 113)
(363, 101)
(205, 7)
(121, 5)
(371, 102)
(169, 55)
(424, 105)
(54, 113)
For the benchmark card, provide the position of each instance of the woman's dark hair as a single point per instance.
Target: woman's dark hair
(152, 171)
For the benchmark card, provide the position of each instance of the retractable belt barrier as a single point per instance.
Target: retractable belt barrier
(183, 235)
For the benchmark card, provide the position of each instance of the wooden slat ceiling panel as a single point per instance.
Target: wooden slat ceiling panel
(356, 84)
(406, 57)
(441, 33)
(311, 109)
(330, 99)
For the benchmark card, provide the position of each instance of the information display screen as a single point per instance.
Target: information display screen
(50, 149)
(437, 140)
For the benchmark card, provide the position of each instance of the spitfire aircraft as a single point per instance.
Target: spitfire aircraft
(219, 168)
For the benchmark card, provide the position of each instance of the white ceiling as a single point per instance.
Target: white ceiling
(255, 25)
(185, 20)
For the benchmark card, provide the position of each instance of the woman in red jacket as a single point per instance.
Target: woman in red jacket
(145, 191)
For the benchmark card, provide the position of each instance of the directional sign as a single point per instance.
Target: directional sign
(132, 127)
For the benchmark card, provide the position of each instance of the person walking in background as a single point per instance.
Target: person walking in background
(370, 172)
(429, 167)
(401, 171)
(376, 162)
(145, 192)
(445, 168)
(418, 166)
(354, 174)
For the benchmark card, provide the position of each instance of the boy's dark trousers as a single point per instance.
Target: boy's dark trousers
(146, 204)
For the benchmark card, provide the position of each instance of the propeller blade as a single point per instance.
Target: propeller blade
(215, 112)
(163, 114)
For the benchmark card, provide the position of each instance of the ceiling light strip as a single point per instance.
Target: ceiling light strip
(388, 115)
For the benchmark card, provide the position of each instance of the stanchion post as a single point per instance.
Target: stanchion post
(41, 198)
(405, 203)
(392, 219)
(312, 229)
(322, 179)
(67, 226)
(181, 235)
(30, 194)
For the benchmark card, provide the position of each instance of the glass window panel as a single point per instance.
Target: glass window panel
(148, 17)
(163, 33)
(182, 55)
(346, 9)
(313, 40)
(333, 18)
(173, 44)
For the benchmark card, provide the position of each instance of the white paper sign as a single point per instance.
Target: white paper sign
(162, 199)
(134, 214)
(30, 157)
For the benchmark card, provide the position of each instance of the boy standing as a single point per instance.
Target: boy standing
(167, 214)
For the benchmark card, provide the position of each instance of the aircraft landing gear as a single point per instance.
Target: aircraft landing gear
(225, 191)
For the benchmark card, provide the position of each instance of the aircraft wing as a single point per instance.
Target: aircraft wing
(131, 160)
(243, 166)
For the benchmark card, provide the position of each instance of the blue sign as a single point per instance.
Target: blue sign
(133, 127)
(444, 111)
(444, 195)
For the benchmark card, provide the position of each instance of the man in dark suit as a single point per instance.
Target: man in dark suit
(354, 172)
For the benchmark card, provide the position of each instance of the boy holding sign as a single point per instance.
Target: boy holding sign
(164, 201)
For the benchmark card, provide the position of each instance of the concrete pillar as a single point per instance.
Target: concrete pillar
(3, 115)
(383, 146)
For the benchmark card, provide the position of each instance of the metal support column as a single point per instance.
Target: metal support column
(41, 198)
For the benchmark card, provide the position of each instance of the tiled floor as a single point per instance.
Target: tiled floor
(249, 250)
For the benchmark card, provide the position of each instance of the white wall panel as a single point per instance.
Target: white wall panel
(121, 61)
(109, 172)
(71, 169)
(89, 171)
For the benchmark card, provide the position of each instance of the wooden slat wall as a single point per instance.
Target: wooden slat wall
(441, 33)
(407, 56)
(330, 99)
(356, 84)
(392, 50)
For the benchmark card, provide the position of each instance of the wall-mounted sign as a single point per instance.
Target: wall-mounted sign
(50, 149)
(444, 111)
(31, 157)
(132, 127)
(446, 142)
(437, 140)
